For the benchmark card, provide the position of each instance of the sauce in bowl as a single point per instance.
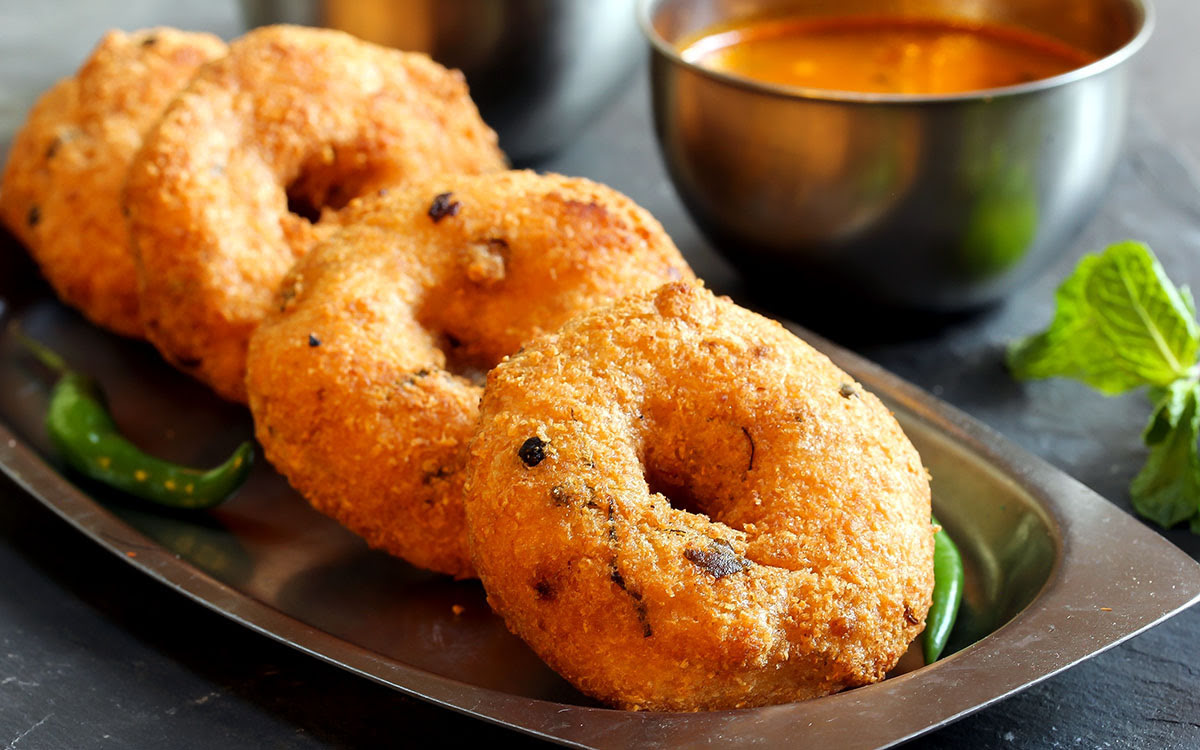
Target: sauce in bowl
(883, 54)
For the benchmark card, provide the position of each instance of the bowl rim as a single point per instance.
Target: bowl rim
(1143, 10)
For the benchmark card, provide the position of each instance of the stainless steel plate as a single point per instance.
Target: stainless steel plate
(1055, 573)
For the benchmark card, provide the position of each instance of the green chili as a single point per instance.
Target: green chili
(88, 439)
(948, 583)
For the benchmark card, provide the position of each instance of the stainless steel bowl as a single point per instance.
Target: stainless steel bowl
(539, 70)
(941, 202)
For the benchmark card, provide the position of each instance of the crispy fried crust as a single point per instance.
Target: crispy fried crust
(310, 116)
(790, 555)
(61, 193)
(352, 396)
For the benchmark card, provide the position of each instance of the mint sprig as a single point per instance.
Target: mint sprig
(1121, 324)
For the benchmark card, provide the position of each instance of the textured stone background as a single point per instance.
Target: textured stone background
(94, 654)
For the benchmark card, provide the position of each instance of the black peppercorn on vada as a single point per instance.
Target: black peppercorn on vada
(364, 381)
(679, 505)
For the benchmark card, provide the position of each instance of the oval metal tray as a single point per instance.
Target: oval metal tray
(1055, 573)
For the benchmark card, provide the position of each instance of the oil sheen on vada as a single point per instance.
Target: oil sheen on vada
(250, 165)
(61, 192)
(680, 506)
(365, 380)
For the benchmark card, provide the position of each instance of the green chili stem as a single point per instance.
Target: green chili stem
(43, 353)
(948, 582)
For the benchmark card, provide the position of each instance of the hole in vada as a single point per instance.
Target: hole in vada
(330, 179)
(461, 361)
(701, 463)
(677, 493)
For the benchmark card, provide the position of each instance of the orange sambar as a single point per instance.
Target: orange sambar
(883, 55)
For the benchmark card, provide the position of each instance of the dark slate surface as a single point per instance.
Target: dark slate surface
(93, 654)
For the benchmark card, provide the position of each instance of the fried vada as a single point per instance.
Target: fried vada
(61, 191)
(250, 165)
(680, 506)
(364, 382)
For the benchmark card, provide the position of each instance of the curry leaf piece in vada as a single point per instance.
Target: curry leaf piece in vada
(250, 165)
(365, 381)
(719, 518)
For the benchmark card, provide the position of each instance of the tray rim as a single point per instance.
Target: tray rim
(1058, 496)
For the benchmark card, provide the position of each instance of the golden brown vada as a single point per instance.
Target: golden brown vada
(364, 382)
(61, 191)
(249, 166)
(680, 505)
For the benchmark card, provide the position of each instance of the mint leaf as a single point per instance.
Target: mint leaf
(1169, 405)
(1119, 323)
(1167, 489)
(1188, 300)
